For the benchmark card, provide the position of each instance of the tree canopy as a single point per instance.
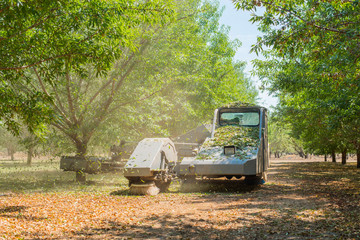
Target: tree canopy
(180, 71)
(312, 51)
(49, 37)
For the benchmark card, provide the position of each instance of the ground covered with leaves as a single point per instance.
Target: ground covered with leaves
(301, 200)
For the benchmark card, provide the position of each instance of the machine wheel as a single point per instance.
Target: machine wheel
(163, 186)
(256, 180)
(189, 179)
(252, 180)
(229, 177)
(134, 180)
(145, 188)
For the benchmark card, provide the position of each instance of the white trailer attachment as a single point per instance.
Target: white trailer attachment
(150, 167)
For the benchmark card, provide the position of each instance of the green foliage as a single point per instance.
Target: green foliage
(280, 140)
(239, 104)
(51, 38)
(312, 64)
(181, 72)
(10, 142)
(245, 139)
(122, 70)
(238, 136)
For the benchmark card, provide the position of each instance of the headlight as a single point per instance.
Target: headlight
(229, 150)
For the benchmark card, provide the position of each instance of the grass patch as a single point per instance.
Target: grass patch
(46, 176)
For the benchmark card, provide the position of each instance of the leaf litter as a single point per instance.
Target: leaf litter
(294, 204)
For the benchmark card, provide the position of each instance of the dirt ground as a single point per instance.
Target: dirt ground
(301, 200)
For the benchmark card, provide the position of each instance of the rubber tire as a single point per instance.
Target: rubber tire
(134, 180)
(163, 186)
(252, 180)
(189, 179)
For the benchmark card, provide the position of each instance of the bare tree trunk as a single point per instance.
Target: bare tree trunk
(343, 156)
(325, 157)
(333, 156)
(11, 153)
(81, 148)
(29, 155)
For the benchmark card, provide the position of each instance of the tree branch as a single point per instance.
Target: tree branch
(38, 62)
(37, 23)
(138, 100)
(69, 97)
(60, 105)
(303, 19)
(60, 111)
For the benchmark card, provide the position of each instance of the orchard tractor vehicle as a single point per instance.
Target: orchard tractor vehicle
(237, 147)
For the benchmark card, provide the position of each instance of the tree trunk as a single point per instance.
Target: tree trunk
(29, 155)
(81, 148)
(343, 156)
(11, 153)
(301, 152)
(325, 157)
(358, 155)
(333, 156)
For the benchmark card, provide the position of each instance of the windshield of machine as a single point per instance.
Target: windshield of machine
(239, 118)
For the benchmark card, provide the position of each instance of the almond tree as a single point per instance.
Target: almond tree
(51, 38)
(180, 72)
(313, 60)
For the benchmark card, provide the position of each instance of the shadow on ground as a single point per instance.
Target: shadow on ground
(218, 186)
(300, 201)
(204, 186)
(187, 227)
